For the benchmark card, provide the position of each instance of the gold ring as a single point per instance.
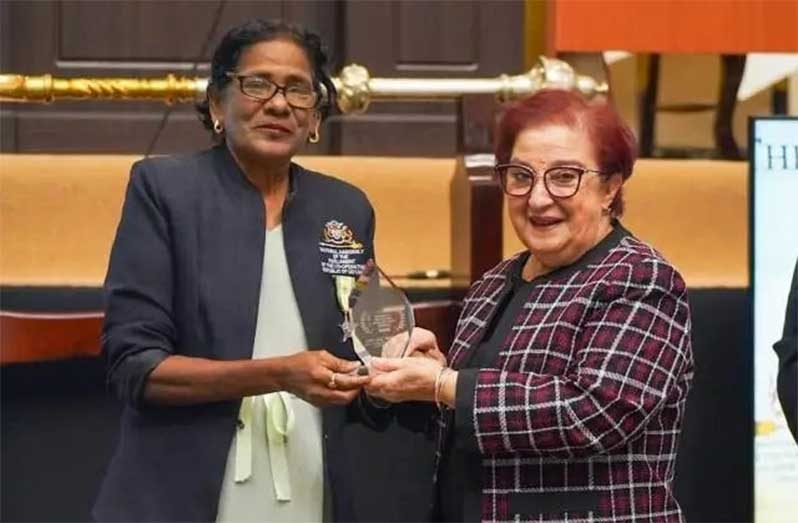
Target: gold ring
(331, 384)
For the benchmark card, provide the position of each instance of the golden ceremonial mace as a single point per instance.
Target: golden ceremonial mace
(356, 89)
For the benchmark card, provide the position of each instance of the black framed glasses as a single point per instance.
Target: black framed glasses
(260, 88)
(560, 182)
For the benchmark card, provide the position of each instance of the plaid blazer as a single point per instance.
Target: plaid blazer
(579, 419)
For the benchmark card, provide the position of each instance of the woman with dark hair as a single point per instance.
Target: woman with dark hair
(563, 393)
(223, 305)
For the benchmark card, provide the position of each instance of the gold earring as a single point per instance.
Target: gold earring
(314, 136)
(218, 128)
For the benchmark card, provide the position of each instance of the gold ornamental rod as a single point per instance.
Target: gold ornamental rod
(355, 86)
(45, 89)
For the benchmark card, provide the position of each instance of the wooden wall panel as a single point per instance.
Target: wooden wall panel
(8, 140)
(476, 38)
(140, 37)
(443, 35)
(122, 38)
(137, 31)
(425, 39)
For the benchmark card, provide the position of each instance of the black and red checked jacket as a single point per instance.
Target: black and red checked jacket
(580, 418)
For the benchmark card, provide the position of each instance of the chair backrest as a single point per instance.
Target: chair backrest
(58, 216)
(59, 213)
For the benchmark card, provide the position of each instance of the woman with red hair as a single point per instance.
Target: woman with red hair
(563, 393)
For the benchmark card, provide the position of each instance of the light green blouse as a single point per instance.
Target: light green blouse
(270, 476)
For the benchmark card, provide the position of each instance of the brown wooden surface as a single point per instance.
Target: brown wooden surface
(732, 68)
(394, 39)
(476, 197)
(425, 39)
(476, 123)
(440, 317)
(647, 107)
(29, 337)
(476, 222)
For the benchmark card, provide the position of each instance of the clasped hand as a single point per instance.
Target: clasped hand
(321, 379)
(411, 378)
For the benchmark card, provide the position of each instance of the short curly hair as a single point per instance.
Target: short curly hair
(227, 53)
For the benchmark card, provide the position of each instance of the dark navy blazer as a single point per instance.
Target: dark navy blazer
(184, 278)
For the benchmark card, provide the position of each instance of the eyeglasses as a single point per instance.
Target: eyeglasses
(260, 88)
(560, 182)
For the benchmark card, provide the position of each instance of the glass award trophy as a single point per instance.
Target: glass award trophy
(380, 316)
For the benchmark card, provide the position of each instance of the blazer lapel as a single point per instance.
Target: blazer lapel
(476, 318)
(482, 305)
(312, 288)
(231, 258)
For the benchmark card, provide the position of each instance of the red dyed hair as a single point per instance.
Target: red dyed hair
(613, 142)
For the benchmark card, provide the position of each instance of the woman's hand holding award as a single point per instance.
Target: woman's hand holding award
(379, 317)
